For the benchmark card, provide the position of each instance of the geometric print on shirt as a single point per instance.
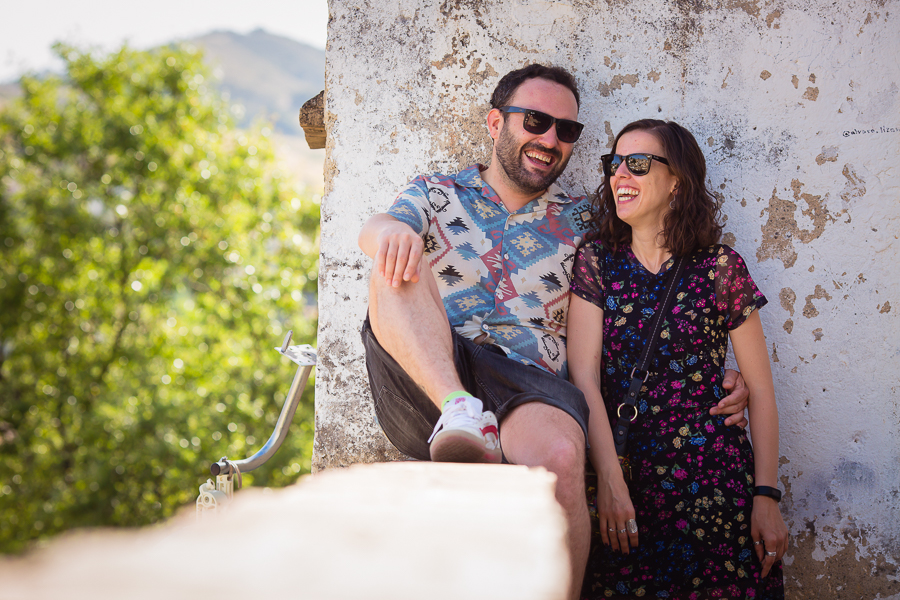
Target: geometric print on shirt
(500, 273)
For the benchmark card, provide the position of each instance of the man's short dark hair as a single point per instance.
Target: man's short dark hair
(512, 80)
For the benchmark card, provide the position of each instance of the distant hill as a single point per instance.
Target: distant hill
(271, 77)
(267, 74)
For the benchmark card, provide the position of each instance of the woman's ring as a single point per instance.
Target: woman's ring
(621, 531)
(771, 554)
(757, 543)
(631, 524)
(611, 529)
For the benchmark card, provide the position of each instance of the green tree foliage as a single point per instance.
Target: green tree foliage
(151, 256)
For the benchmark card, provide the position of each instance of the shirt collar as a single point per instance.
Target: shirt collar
(471, 178)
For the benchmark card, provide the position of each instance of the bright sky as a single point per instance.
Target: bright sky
(28, 30)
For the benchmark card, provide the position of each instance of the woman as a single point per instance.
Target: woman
(703, 527)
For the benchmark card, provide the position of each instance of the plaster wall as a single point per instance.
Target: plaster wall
(797, 107)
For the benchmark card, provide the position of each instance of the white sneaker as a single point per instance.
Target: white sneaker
(466, 434)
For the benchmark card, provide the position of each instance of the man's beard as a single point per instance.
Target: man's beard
(511, 159)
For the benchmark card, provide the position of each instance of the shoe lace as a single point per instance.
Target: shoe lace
(460, 414)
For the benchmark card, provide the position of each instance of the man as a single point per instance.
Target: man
(468, 300)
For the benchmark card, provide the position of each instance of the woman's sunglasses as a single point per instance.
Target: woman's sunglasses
(539, 123)
(638, 164)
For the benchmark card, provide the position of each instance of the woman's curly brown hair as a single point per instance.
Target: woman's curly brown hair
(693, 221)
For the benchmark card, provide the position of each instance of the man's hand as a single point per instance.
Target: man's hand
(395, 248)
(399, 251)
(734, 403)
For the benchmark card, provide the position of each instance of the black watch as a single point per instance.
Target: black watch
(765, 490)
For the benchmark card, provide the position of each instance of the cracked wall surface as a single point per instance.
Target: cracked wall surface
(797, 108)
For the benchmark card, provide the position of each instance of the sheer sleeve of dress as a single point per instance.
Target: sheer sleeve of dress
(587, 282)
(736, 294)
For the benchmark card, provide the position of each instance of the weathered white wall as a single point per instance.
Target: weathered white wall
(798, 110)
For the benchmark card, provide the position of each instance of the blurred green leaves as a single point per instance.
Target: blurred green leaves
(151, 256)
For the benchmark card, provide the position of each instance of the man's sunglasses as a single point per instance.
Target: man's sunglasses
(638, 164)
(539, 123)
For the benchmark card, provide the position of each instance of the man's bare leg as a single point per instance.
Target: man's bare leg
(411, 324)
(537, 434)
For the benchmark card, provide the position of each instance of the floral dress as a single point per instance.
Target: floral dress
(691, 475)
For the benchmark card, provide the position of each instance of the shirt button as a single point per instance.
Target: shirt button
(485, 327)
(506, 256)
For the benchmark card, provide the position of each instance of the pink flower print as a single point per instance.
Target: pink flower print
(680, 474)
(681, 524)
(617, 285)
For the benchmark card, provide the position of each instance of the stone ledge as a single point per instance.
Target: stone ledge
(389, 531)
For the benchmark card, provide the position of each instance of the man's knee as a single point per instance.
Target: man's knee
(537, 434)
(565, 457)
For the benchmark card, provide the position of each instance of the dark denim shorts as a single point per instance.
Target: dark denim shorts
(407, 416)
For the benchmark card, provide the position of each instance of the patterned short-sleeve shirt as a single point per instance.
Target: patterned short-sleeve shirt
(500, 273)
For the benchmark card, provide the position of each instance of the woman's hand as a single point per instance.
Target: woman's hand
(615, 510)
(769, 533)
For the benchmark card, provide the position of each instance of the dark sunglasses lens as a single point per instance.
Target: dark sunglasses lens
(611, 164)
(568, 131)
(537, 122)
(638, 164)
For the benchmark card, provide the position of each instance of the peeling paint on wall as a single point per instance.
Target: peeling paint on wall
(829, 154)
(797, 106)
(616, 83)
(855, 187)
(788, 297)
(809, 309)
(781, 229)
(840, 575)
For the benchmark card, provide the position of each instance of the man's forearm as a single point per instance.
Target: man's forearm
(371, 230)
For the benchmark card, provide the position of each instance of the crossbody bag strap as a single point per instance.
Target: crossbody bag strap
(640, 372)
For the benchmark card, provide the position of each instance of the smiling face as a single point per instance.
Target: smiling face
(642, 201)
(529, 162)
